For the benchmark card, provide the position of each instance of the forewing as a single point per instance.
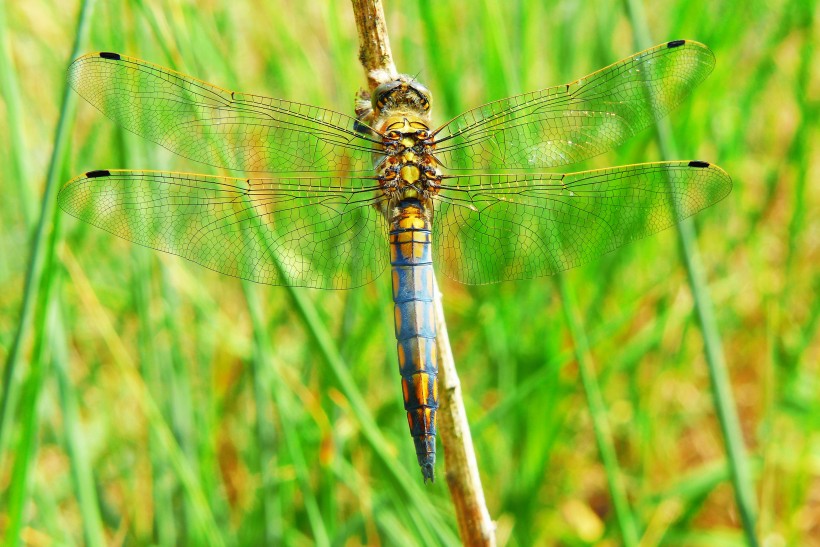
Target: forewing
(321, 232)
(219, 127)
(570, 123)
(489, 228)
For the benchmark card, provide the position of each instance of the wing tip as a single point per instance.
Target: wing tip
(110, 55)
(689, 45)
(727, 183)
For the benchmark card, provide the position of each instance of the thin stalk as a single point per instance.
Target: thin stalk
(39, 247)
(29, 420)
(266, 435)
(81, 466)
(179, 389)
(41, 254)
(166, 527)
(597, 410)
(374, 53)
(474, 523)
(15, 113)
(715, 360)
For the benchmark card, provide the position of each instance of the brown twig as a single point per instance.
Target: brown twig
(474, 522)
(374, 45)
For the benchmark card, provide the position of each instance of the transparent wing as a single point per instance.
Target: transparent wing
(570, 123)
(321, 232)
(489, 228)
(216, 126)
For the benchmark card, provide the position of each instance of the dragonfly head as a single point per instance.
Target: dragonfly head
(403, 94)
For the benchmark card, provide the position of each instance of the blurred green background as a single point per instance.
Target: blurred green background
(157, 402)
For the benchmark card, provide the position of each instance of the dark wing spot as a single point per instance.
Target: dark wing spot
(675, 43)
(98, 173)
(696, 163)
(109, 55)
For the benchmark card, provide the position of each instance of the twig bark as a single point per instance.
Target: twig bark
(474, 522)
(374, 44)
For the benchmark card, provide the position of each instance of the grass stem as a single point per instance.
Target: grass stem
(713, 347)
(41, 253)
(600, 422)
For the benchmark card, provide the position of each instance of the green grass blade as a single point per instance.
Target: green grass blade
(285, 407)
(41, 255)
(151, 368)
(81, 465)
(10, 91)
(597, 410)
(716, 362)
(273, 524)
(38, 256)
(26, 453)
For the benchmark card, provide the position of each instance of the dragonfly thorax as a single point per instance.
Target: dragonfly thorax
(409, 169)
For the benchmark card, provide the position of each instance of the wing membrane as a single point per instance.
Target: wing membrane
(570, 123)
(216, 126)
(318, 232)
(490, 228)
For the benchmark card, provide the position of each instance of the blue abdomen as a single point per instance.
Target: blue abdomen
(412, 274)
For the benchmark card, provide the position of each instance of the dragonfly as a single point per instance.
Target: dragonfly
(330, 200)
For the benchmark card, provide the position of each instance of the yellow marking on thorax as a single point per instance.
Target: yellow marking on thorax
(401, 120)
(409, 173)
